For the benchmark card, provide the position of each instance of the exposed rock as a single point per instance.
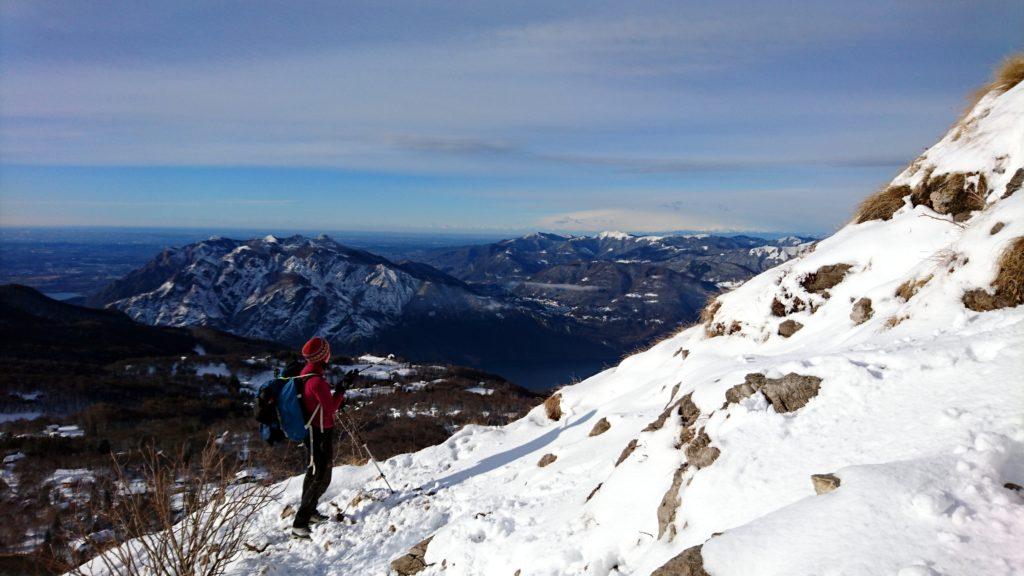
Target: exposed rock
(789, 327)
(688, 410)
(659, 422)
(778, 308)
(954, 193)
(1013, 486)
(825, 483)
(669, 504)
(981, 300)
(626, 451)
(682, 353)
(825, 277)
(699, 452)
(786, 394)
(1015, 183)
(689, 562)
(287, 512)
(791, 392)
(862, 311)
(553, 407)
(546, 459)
(594, 491)
(601, 427)
(996, 228)
(751, 384)
(413, 561)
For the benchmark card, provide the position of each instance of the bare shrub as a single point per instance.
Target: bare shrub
(553, 407)
(882, 204)
(1008, 285)
(176, 517)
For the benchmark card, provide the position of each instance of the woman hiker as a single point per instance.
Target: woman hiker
(319, 403)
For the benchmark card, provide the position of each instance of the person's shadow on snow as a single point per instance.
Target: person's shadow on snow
(498, 460)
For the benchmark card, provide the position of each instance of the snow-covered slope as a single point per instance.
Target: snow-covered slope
(696, 456)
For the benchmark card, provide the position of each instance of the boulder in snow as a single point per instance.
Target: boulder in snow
(601, 427)
(700, 453)
(824, 483)
(689, 562)
(786, 394)
(546, 459)
(626, 451)
(789, 327)
(825, 278)
(862, 311)
(413, 561)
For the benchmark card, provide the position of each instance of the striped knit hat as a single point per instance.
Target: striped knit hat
(316, 350)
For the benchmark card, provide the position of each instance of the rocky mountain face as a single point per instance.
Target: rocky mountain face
(287, 289)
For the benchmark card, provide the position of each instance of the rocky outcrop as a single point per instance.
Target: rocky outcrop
(824, 483)
(789, 327)
(699, 452)
(786, 394)
(413, 561)
(546, 460)
(689, 562)
(626, 451)
(862, 311)
(601, 427)
(825, 278)
(954, 193)
(669, 505)
(659, 422)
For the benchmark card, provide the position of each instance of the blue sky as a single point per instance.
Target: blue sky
(477, 116)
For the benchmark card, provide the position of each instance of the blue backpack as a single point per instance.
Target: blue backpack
(279, 409)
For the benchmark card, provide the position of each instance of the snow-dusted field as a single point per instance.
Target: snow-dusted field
(919, 414)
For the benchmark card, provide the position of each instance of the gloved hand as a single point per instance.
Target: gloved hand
(345, 381)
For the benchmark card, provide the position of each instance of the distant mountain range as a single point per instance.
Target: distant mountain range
(539, 298)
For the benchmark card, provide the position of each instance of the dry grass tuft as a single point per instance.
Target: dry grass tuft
(882, 204)
(908, 289)
(1010, 280)
(1008, 285)
(553, 407)
(1009, 73)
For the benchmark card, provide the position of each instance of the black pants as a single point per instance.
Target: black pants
(319, 448)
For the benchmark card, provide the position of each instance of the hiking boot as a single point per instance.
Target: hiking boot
(317, 518)
(300, 533)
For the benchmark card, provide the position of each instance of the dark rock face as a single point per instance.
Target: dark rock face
(997, 228)
(786, 394)
(413, 561)
(689, 562)
(862, 311)
(601, 427)
(789, 327)
(669, 505)
(699, 452)
(626, 451)
(955, 193)
(546, 460)
(825, 278)
(825, 483)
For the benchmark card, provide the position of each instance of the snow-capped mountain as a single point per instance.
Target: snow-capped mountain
(286, 289)
(706, 258)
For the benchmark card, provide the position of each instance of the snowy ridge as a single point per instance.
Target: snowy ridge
(705, 444)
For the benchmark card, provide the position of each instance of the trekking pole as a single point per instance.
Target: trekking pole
(374, 460)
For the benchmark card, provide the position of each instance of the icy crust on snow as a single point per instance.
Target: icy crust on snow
(919, 413)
